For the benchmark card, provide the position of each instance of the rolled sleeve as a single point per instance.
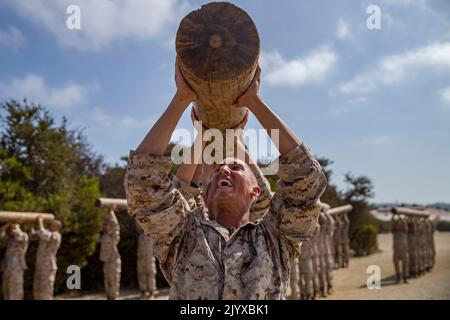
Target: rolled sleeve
(189, 192)
(295, 207)
(155, 203)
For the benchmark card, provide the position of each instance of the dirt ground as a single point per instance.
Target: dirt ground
(350, 283)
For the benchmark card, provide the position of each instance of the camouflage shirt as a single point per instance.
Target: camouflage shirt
(200, 258)
(49, 243)
(16, 248)
(145, 250)
(109, 242)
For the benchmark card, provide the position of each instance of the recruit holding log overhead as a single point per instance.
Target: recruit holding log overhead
(413, 243)
(196, 236)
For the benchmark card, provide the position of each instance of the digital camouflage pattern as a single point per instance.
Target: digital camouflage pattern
(146, 268)
(46, 264)
(306, 271)
(109, 255)
(14, 264)
(413, 244)
(203, 260)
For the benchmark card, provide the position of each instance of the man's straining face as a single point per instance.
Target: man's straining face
(232, 185)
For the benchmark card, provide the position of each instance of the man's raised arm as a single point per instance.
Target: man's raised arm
(157, 139)
(152, 198)
(295, 207)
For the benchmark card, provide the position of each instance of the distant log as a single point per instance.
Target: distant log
(410, 212)
(110, 202)
(325, 206)
(342, 209)
(218, 50)
(25, 217)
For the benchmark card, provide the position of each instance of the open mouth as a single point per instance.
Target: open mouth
(224, 184)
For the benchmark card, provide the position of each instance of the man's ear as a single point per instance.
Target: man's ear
(256, 191)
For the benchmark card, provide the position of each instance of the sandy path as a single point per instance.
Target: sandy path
(351, 283)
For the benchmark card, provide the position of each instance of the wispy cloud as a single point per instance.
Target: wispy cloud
(396, 68)
(102, 119)
(12, 38)
(103, 21)
(342, 31)
(34, 88)
(311, 68)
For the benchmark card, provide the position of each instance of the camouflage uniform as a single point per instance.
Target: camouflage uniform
(421, 247)
(345, 243)
(146, 268)
(330, 252)
(109, 255)
(46, 264)
(433, 248)
(427, 244)
(323, 253)
(430, 244)
(337, 240)
(316, 260)
(203, 260)
(400, 246)
(412, 248)
(327, 229)
(295, 280)
(14, 263)
(306, 271)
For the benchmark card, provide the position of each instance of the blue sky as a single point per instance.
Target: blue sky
(376, 102)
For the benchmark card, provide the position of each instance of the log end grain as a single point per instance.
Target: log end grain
(218, 49)
(218, 42)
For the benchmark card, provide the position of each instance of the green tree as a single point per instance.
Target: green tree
(359, 191)
(48, 167)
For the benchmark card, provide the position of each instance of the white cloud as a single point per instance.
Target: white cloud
(299, 71)
(445, 96)
(342, 31)
(12, 38)
(102, 119)
(103, 21)
(34, 88)
(396, 68)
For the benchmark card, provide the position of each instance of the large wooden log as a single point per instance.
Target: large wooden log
(110, 202)
(218, 50)
(25, 217)
(410, 212)
(342, 209)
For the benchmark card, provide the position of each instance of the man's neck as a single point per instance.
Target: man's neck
(230, 218)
